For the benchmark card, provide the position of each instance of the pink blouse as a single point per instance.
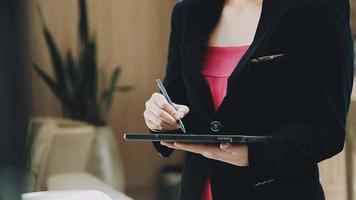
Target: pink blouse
(219, 63)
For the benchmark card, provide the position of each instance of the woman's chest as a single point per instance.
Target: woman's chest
(235, 27)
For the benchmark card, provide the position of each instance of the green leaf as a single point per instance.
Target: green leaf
(56, 58)
(72, 72)
(83, 22)
(111, 89)
(39, 10)
(125, 88)
(53, 86)
(76, 83)
(51, 83)
(88, 66)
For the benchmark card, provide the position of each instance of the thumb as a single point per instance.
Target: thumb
(234, 149)
(183, 110)
(226, 147)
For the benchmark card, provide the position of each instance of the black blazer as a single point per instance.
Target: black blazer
(294, 82)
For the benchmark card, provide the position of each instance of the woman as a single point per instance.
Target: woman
(277, 67)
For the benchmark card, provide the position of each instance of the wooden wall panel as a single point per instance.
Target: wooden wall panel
(353, 16)
(333, 177)
(130, 33)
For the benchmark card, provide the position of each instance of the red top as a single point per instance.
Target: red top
(219, 63)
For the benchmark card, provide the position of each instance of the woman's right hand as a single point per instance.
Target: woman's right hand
(160, 116)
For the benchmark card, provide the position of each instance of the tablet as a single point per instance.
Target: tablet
(196, 138)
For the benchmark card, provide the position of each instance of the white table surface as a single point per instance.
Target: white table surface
(66, 195)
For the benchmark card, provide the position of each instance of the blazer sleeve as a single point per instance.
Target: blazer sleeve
(325, 98)
(173, 78)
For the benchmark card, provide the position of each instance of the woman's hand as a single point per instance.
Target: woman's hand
(235, 154)
(160, 116)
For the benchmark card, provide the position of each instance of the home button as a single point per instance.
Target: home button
(215, 126)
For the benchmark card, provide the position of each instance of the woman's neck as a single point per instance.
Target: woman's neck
(238, 3)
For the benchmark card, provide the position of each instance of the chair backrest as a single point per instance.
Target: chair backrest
(58, 146)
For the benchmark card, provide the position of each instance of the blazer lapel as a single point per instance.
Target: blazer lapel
(208, 14)
(269, 15)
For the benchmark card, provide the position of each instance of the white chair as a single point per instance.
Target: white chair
(59, 155)
(66, 195)
(58, 146)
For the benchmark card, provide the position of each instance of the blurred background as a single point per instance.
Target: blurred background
(61, 124)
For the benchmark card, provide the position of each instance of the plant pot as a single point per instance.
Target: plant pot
(105, 160)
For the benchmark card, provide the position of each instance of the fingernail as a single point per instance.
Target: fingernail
(181, 115)
(178, 117)
(225, 145)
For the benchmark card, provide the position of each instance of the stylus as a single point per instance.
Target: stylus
(165, 94)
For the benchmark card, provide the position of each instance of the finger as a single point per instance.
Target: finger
(162, 103)
(212, 152)
(234, 149)
(225, 147)
(194, 148)
(167, 144)
(238, 154)
(209, 151)
(158, 123)
(148, 122)
(152, 126)
(183, 110)
(162, 114)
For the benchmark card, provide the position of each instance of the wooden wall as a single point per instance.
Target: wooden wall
(130, 33)
(353, 16)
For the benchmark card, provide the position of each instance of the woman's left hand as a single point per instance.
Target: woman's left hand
(235, 154)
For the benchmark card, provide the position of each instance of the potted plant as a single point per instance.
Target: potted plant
(86, 95)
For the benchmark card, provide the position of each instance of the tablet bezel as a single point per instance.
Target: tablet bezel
(196, 138)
